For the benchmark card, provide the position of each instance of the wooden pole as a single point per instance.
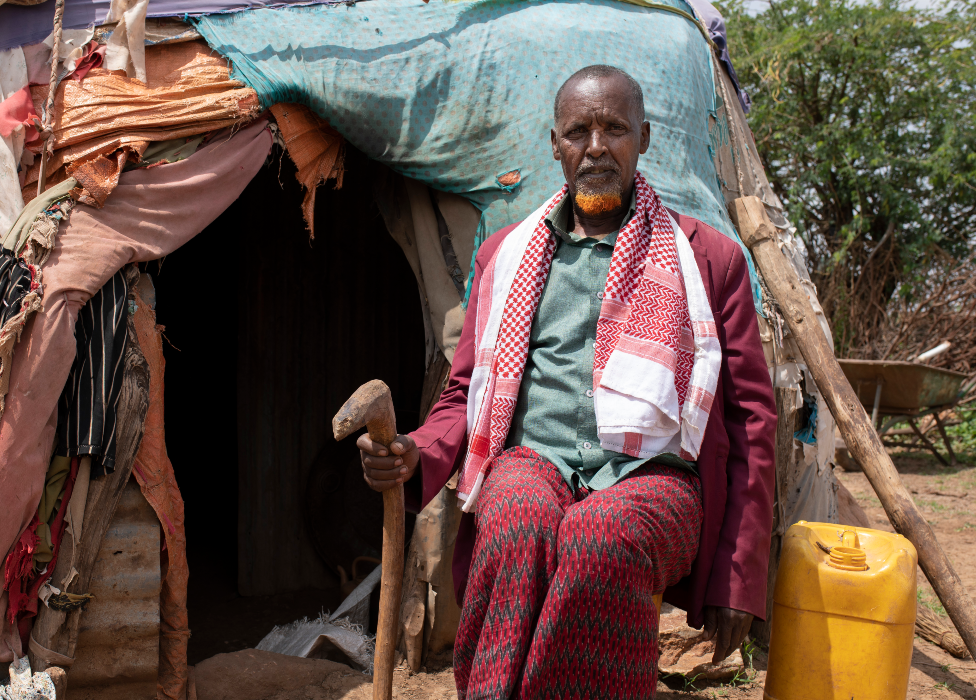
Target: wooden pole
(759, 235)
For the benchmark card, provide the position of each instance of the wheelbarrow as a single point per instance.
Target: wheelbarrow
(897, 391)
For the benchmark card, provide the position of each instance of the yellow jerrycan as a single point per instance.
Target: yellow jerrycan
(843, 615)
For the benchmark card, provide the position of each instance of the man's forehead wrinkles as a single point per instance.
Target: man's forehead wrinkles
(607, 103)
(600, 116)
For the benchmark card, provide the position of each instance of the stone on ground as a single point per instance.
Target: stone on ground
(685, 652)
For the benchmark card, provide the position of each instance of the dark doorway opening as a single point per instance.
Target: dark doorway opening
(268, 333)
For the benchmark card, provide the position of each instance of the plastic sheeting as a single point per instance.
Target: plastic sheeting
(457, 95)
(21, 25)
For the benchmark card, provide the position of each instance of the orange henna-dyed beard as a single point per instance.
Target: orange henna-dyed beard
(593, 204)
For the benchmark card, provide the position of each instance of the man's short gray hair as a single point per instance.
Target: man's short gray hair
(601, 71)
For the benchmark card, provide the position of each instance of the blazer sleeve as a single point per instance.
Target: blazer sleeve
(742, 557)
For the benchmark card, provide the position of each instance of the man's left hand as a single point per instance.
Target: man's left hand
(728, 627)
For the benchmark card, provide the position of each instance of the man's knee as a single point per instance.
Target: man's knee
(599, 534)
(517, 490)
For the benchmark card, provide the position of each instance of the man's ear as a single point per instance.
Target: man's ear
(645, 139)
(555, 148)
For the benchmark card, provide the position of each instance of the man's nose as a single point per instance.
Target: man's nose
(595, 145)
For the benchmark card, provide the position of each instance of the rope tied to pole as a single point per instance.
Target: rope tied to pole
(46, 129)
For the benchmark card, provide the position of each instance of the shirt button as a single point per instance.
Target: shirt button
(587, 445)
(594, 346)
(599, 295)
(589, 392)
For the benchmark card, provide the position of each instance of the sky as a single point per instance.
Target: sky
(754, 7)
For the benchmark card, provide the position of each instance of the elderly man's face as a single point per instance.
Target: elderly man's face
(598, 137)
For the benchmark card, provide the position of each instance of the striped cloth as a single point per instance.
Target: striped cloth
(20, 291)
(16, 279)
(657, 355)
(87, 408)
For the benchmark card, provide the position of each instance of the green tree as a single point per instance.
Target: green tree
(864, 114)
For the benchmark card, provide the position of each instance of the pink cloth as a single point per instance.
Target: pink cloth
(736, 458)
(17, 110)
(150, 214)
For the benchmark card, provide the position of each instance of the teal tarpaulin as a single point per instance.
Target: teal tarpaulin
(456, 94)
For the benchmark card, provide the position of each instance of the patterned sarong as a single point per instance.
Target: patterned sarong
(657, 355)
(559, 602)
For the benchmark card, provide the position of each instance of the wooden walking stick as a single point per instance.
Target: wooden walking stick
(372, 406)
(759, 234)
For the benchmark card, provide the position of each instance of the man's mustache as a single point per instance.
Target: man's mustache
(588, 166)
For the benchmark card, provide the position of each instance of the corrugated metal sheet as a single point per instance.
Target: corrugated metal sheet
(118, 640)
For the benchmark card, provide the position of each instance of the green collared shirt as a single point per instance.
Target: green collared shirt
(554, 415)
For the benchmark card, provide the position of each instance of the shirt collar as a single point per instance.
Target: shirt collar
(560, 221)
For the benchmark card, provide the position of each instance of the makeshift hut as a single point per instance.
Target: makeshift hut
(151, 219)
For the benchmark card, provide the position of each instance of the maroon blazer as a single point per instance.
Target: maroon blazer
(736, 458)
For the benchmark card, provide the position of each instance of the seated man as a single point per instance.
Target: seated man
(611, 413)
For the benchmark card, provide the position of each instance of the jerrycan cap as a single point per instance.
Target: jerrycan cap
(847, 559)
(849, 556)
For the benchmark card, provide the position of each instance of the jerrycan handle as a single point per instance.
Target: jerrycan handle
(848, 556)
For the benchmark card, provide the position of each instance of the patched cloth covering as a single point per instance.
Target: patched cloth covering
(657, 355)
(151, 213)
(188, 91)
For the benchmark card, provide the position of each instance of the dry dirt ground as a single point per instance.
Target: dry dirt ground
(946, 496)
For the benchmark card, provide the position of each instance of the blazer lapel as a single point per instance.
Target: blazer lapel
(689, 227)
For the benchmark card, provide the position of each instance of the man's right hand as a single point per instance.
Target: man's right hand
(383, 470)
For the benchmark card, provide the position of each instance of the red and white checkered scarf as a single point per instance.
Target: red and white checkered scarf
(657, 355)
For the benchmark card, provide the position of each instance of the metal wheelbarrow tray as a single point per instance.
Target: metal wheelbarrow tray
(905, 391)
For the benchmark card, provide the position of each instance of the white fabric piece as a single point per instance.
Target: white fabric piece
(46, 591)
(637, 396)
(786, 376)
(126, 48)
(322, 638)
(73, 41)
(13, 78)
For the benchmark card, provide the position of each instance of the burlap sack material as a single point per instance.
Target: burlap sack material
(315, 148)
(188, 91)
